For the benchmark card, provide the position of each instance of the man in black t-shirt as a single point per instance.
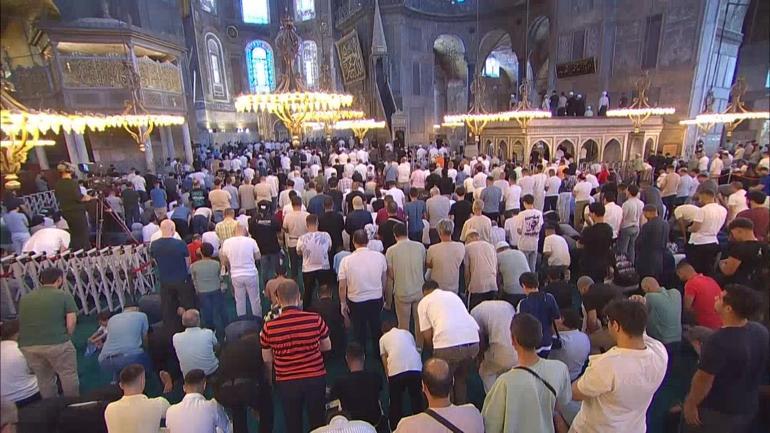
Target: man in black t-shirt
(746, 256)
(71, 203)
(241, 383)
(332, 222)
(596, 243)
(385, 230)
(595, 297)
(359, 391)
(725, 389)
(460, 211)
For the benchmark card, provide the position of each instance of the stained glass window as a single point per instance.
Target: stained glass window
(260, 66)
(492, 67)
(310, 64)
(216, 67)
(255, 11)
(304, 10)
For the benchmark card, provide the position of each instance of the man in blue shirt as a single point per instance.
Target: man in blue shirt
(158, 198)
(415, 212)
(543, 306)
(491, 196)
(172, 260)
(126, 332)
(17, 223)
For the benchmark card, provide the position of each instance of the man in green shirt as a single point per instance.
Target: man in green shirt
(406, 273)
(208, 283)
(664, 311)
(47, 318)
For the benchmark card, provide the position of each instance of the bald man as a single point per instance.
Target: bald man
(437, 385)
(172, 260)
(195, 346)
(664, 308)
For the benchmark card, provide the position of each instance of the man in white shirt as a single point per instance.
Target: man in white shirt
(404, 172)
(396, 193)
(617, 387)
(736, 201)
(703, 246)
(494, 320)
(555, 249)
(526, 182)
(539, 182)
(703, 162)
(18, 384)
(195, 414)
(613, 214)
(314, 246)
(294, 226)
(362, 279)
(582, 194)
(552, 190)
(717, 165)
(451, 330)
(512, 197)
(530, 221)
(135, 412)
(240, 254)
(630, 222)
(50, 241)
(402, 364)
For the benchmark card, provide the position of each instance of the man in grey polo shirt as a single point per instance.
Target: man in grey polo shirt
(437, 208)
(406, 272)
(195, 346)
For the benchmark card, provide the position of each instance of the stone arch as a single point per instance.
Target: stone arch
(636, 147)
(540, 149)
(450, 79)
(502, 150)
(498, 69)
(612, 151)
(649, 147)
(589, 151)
(539, 36)
(567, 146)
(518, 151)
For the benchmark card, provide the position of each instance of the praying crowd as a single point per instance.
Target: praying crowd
(378, 290)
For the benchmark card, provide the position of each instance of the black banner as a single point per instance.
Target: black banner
(578, 67)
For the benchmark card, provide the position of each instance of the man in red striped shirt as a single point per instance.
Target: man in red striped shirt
(292, 343)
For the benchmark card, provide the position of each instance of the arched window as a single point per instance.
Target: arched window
(216, 67)
(304, 10)
(310, 64)
(256, 11)
(260, 66)
(492, 67)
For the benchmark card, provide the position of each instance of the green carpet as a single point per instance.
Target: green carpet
(671, 392)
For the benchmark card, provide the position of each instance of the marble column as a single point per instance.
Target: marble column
(72, 151)
(80, 143)
(148, 155)
(168, 141)
(188, 151)
(42, 158)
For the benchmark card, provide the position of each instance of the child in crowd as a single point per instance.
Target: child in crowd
(97, 339)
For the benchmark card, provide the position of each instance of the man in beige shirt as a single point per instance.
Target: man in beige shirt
(406, 273)
(294, 226)
(668, 189)
(219, 198)
(480, 269)
(478, 223)
(263, 191)
(444, 258)
(248, 196)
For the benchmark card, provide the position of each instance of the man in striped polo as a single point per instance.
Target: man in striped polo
(293, 343)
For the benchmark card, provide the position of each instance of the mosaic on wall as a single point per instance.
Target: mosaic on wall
(351, 59)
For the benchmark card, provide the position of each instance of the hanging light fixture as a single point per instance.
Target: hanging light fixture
(359, 126)
(640, 110)
(290, 102)
(734, 114)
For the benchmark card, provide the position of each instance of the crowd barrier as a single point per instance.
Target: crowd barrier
(98, 279)
(39, 201)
